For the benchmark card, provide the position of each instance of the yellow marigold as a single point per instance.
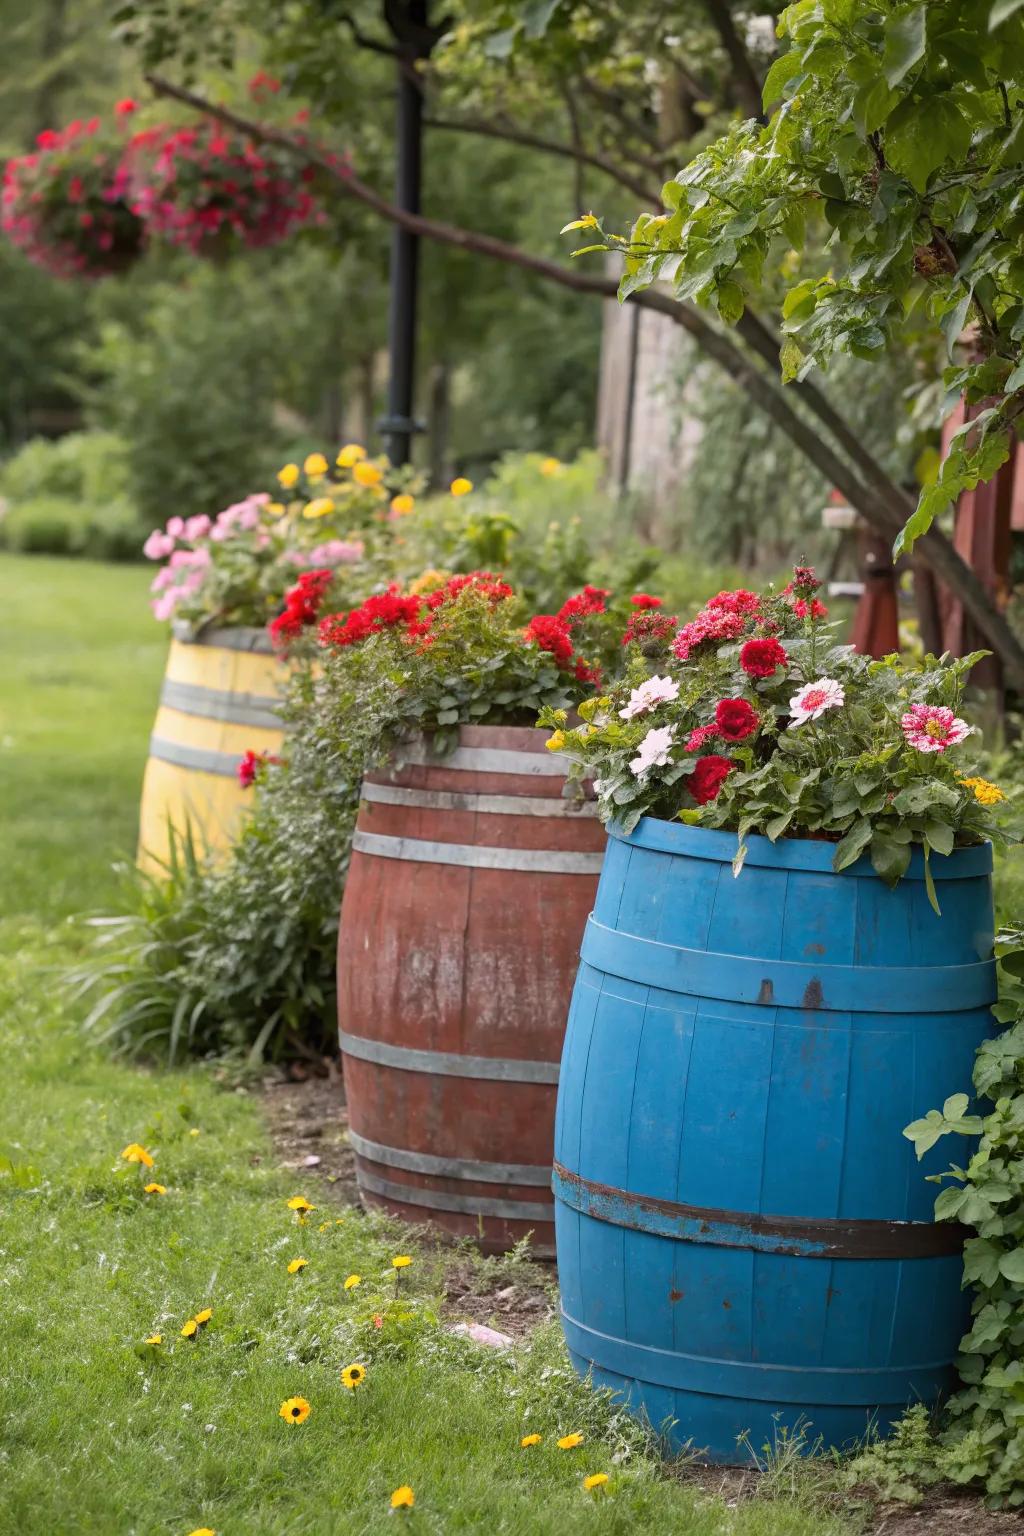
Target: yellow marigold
(366, 474)
(296, 1265)
(353, 1281)
(402, 505)
(204, 1316)
(315, 465)
(556, 741)
(531, 1440)
(155, 1189)
(401, 1261)
(460, 486)
(984, 791)
(301, 1204)
(349, 455)
(190, 1329)
(294, 1410)
(403, 1498)
(352, 1375)
(288, 475)
(320, 506)
(276, 508)
(570, 1442)
(550, 466)
(133, 1153)
(155, 1338)
(595, 1480)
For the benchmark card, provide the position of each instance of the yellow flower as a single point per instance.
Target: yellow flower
(556, 741)
(315, 465)
(133, 1153)
(320, 506)
(204, 1530)
(294, 1410)
(349, 455)
(570, 1442)
(296, 1265)
(155, 1338)
(461, 486)
(402, 505)
(194, 1131)
(550, 466)
(984, 791)
(427, 580)
(190, 1329)
(204, 1316)
(276, 508)
(531, 1440)
(324, 1226)
(288, 475)
(301, 1204)
(595, 1480)
(403, 1498)
(352, 1375)
(366, 474)
(155, 1189)
(402, 1261)
(353, 1281)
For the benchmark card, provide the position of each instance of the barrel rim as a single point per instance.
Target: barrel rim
(239, 637)
(791, 853)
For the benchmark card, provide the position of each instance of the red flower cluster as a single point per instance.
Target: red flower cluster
(582, 604)
(553, 631)
(485, 582)
(735, 719)
(385, 610)
(700, 737)
(708, 776)
(811, 610)
(302, 605)
(550, 633)
(645, 600)
(723, 617)
(762, 658)
(250, 764)
(740, 601)
(649, 629)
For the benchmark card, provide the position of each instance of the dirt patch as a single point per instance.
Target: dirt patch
(944, 1513)
(309, 1128)
(513, 1299)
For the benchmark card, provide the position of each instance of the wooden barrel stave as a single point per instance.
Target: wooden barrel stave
(742, 1230)
(453, 979)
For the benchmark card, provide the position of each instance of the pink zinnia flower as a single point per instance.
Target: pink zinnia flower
(933, 727)
(811, 702)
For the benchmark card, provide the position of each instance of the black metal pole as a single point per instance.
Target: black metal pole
(399, 424)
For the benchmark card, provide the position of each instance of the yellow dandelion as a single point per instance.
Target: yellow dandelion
(190, 1329)
(349, 455)
(570, 1442)
(402, 505)
(296, 1265)
(403, 1498)
(204, 1530)
(985, 792)
(324, 1226)
(315, 465)
(133, 1153)
(460, 486)
(556, 741)
(204, 1316)
(353, 1281)
(366, 474)
(595, 1480)
(194, 1131)
(276, 508)
(288, 476)
(401, 1261)
(155, 1189)
(320, 506)
(530, 1440)
(294, 1410)
(301, 1204)
(550, 466)
(155, 1338)
(353, 1375)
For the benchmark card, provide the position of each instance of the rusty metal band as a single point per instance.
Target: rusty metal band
(468, 1205)
(221, 704)
(200, 759)
(547, 765)
(490, 805)
(444, 1064)
(450, 1167)
(808, 1237)
(548, 861)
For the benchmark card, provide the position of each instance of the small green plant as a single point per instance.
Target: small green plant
(899, 1467)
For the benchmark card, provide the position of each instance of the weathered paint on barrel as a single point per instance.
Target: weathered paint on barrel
(219, 700)
(470, 882)
(744, 1236)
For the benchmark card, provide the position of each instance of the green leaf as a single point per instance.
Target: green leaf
(782, 71)
(940, 836)
(731, 302)
(1011, 1266)
(922, 134)
(904, 44)
(889, 859)
(850, 848)
(791, 357)
(1001, 11)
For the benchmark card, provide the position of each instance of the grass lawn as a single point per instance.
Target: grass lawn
(101, 1432)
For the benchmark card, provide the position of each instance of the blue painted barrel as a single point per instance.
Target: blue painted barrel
(744, 1236)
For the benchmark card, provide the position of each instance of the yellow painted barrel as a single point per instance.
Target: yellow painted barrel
(219, 699)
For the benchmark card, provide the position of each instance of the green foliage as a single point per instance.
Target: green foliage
(69, 496)
(898, 1467)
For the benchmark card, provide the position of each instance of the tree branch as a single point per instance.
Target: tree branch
(935, 548)
(746, 84)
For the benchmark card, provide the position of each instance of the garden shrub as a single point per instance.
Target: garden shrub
(69, 496)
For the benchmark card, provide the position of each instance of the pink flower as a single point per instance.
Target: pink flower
(248, 516)
(933, 727)
(338, 552)
(176, 527)
(163, 607)
(700, 737)
(158, 546)
(712, 623)
(811, 702)
(197, 527)
(653, 751)
(655, 691)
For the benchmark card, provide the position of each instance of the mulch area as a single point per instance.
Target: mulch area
(309, 1126)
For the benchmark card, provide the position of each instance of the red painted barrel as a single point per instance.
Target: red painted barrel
(471, 881)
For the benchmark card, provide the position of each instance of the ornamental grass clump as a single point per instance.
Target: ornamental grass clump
(752, 718)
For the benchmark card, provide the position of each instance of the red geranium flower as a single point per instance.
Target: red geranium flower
(815, 610)
(126, 107)
(645, 600)
(740, 601)
(708, 776)
(700, 737)
(735, 719)
(590, 600)
(649, 629)
(550, 633)
(761, 658)
(250, 764)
